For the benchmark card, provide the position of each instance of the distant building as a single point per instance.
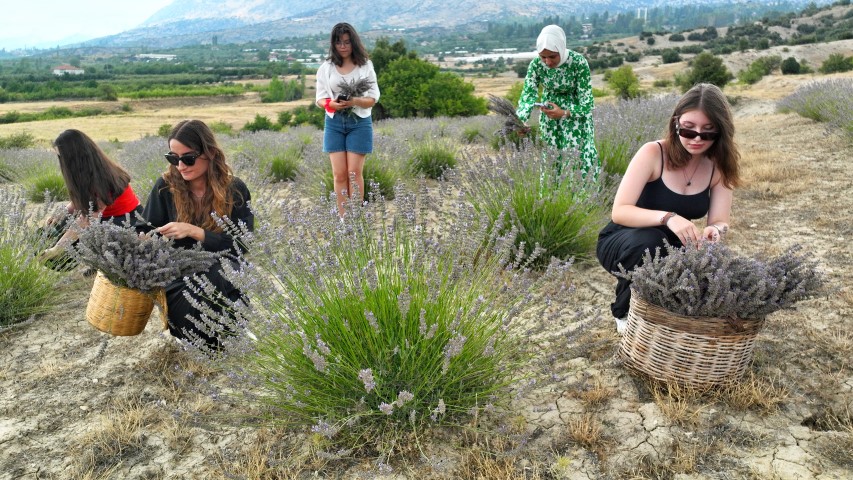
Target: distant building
(156, 56)
(68, 70)
(273, 56)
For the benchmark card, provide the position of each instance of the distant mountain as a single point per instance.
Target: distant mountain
(188, 22)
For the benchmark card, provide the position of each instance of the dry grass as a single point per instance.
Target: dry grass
(754, 392)
(268, 454)
(116, 436)
(490, 460)
(768, 179)
(586, 431)
(593, 395)
(677, 402)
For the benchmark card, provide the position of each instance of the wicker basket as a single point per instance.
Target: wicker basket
(118, 310)
(694, 351)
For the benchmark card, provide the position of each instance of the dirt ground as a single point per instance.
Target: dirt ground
(75, 403)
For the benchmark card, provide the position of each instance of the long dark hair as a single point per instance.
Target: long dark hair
(218, 198)
(709, 99)
(92, 178)
(359, 53)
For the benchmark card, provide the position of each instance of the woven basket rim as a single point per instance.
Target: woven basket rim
(664, 316)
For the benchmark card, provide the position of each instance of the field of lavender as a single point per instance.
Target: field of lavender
(428, 336)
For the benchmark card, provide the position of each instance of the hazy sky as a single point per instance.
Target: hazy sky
(44, 23)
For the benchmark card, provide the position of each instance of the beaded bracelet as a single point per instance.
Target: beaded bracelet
(665, 218)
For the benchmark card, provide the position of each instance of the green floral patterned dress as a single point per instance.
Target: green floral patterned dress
(569, 87)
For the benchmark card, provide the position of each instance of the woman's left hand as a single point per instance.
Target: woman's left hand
(179, 230)
(554, 113)
(711, 234)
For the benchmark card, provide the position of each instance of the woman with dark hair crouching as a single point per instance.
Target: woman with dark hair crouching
(198, 184)
(96, 184)
(687, 175)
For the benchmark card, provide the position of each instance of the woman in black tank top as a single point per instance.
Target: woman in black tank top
(687, 175)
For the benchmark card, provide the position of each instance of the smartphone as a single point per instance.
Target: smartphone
(545, 105)
(343, 98)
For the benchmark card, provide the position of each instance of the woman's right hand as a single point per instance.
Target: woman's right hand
(340, 104)
(684, 229)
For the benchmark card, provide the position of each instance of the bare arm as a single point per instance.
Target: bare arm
(641, 170)
(720, 211)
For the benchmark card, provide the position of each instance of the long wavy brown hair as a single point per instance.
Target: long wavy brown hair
(92, 178)
(218, 197)
(724, 153)
(359, 53)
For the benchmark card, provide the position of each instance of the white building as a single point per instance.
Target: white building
(68, 70)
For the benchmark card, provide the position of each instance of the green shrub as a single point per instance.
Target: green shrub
(284, 118)
(836, 63)
(706, 68)
(221, 128)
(260, 123)
(17, 140)
(379, 180)
(556, 212)
(790, 66)
(624, 82)
(432, 158)
(285, 164)
(311, 115)
(164, 130)
(380, 323)
(471, 134)
(514, 93)
(670, 56)
(27, 287)
(46, 184)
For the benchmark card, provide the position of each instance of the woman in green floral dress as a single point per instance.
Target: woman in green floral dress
(565, 121)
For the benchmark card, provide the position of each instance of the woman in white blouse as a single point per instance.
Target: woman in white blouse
(348, 132)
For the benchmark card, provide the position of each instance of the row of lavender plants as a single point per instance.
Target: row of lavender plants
(828, 101)
(405, 313)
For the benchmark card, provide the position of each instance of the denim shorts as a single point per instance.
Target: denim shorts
(347, 132)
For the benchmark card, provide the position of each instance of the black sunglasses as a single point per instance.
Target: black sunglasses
(187, 158)
(691, 134)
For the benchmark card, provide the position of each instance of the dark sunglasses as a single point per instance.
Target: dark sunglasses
(691, 134)
(187, 158)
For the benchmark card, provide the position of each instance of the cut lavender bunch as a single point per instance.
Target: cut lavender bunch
(506, 109)
(354, 88)
(129, 259)
(712, 281)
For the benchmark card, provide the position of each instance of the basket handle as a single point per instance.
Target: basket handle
(162, 304)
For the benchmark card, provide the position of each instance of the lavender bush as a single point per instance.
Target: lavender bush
(431, 158)
(713, 281)
(557, 214)
(27, 287)
(622, 128)
(829, 101)
(278, 155)
(384, 169)
(393, 319)
(129, 259)
(37, 170)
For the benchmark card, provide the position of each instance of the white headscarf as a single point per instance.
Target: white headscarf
(552, 38)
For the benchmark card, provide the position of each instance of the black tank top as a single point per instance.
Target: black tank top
(657, 196)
